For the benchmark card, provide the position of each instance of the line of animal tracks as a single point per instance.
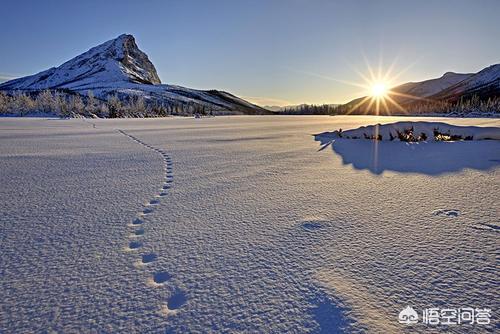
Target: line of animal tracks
(138, 236)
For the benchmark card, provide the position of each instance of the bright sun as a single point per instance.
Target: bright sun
(379, 90)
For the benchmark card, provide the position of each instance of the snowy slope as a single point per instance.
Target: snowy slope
(450, 87)
(433, 86)
(485, 83)
(414, 91)
(119, 67)
(115, 61)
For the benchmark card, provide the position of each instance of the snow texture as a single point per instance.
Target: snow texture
(233, 224)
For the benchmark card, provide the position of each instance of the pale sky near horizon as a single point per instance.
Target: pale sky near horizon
(270, 52)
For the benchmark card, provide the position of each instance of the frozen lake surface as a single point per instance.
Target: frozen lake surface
(237, 224)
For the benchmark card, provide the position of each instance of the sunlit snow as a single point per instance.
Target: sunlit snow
(240, 224)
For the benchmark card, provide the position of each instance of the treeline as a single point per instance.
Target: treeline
(465, 107)
(68, 104)
(311, 109)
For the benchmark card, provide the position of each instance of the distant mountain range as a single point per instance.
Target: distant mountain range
(451, 87)
(118, 67)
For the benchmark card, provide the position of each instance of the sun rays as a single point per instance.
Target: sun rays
(378, 86)
(380, 98)
(379, 89)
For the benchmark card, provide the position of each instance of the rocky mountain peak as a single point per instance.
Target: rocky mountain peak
(136, 62)
(117, 60)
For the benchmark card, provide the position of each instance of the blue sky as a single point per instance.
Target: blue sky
(271, 52)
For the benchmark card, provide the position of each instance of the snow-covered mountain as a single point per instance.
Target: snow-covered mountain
(119, 67)
(450, 87)
(430, 87)
(484, 84)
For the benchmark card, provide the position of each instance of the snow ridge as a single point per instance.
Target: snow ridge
(485, 83)
(433, 86)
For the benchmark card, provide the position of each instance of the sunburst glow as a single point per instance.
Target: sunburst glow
(379, 89)
(377, 86)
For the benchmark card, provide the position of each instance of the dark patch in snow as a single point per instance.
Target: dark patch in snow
(312, 225)
(147, 211)
(330, 315)
(148, 258)
(161, 277)
(137, 221)
(177, 300)
(447, 212)
(134, 245)
(139, 231)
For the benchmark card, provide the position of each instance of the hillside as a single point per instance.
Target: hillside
(118, 67)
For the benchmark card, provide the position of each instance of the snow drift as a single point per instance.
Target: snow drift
(418, 131)
(430, 148)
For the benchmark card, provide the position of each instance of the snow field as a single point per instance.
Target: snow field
(260, 232)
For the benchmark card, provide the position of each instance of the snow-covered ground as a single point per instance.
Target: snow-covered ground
(246, 224)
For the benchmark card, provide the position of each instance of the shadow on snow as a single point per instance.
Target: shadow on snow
(429, 158)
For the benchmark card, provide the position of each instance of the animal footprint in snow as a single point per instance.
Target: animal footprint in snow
(159, 278)
(174, 303)
(145, 260)
(137, 221)
(446, 213)
(154, 202)
(139, 232)
(148, 258)
(176, 300)
(147, 211)
(133, 245)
